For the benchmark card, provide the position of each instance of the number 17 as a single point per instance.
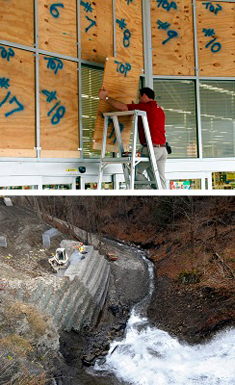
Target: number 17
(12, 100)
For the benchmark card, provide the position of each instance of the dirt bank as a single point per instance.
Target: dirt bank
(193, 313)
(25, 258)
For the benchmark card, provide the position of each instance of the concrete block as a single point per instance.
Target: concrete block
(52, 232)
(3, 241)
(46, 237)
(46, 240)
(8, 201)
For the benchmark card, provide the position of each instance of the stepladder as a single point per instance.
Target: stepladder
(131, 160)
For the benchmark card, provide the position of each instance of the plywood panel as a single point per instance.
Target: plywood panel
(129, 30)
(57, 26)
(59, 107)
(122, 86)
(17, 103)
(172, 37)
(96, 30)
(17, 21)
(216, 38)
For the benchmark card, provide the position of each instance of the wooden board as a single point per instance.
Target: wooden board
(17, 103)
(216, 38)
(122, 88)
(57, 26)
(59, 108)
(172, 37)
(129, 31)
(17, 21)
(96, 30)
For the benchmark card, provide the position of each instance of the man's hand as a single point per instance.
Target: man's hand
(103, 93)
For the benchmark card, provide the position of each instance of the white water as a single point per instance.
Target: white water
(149, 356)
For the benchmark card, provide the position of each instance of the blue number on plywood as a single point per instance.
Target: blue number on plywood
(170, 35)
(87, 6)
(165, 25)
(214, 45)
(126, 38)
(126, 34)
(20, 106)
(121, 23)
(208, 32)
(6, 54)
(54, 11)
(4, 83)
(5, 99)
(93, 23)
(54, 64)
(59, 110)
(50, 95)
(58, 114)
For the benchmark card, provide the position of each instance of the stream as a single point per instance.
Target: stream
(150, 356)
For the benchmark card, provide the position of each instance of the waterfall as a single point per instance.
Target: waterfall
(149, 356)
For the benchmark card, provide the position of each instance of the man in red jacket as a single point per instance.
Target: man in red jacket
(156, 120)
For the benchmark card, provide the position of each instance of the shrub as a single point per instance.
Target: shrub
(187, 277)
(16, 344)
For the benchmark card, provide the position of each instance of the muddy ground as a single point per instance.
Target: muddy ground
(23, 230)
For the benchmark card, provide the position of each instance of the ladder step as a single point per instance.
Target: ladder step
(124, 160)
(130, 159)
(145, 182)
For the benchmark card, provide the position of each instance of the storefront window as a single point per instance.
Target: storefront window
(91, 83)
(94, 186)
(57, 187)
(177, 98)
(19, 188)
(185, 184)
(223, 180)
(218, 118)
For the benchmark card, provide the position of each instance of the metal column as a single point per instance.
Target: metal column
(147, 38)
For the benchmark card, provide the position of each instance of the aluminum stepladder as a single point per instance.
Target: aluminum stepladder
(128, 163)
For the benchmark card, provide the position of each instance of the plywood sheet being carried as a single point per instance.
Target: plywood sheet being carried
(58, 26)
(216, 38)
(172, 37)
(17, 21)
(59, 108)
(17, 103)
(129, 30)
(96, 30)
(122, 86)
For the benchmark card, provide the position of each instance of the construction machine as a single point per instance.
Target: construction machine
(59, 260)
